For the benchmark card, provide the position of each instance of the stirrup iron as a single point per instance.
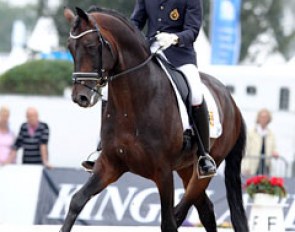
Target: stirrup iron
(202, 176)
(96, 154)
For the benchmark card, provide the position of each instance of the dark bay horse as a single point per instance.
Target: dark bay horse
(141, 127)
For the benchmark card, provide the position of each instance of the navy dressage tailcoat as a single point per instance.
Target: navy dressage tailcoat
(181, 17)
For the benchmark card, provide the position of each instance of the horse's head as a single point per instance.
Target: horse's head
(104, 45)
(92, 54)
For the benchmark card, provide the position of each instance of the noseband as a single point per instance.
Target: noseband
(99, 77)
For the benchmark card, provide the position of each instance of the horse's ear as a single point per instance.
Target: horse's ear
(69, 14)
(82, 14)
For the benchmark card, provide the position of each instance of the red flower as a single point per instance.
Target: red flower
(259, 179)
(249, 181)
(277, 181)
(263, 184)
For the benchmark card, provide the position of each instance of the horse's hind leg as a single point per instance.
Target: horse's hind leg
(233, 184)
(95, 184)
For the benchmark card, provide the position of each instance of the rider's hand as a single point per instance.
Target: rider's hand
(166, 39)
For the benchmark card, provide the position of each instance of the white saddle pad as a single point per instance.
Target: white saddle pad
(215, 125)
(214, 118)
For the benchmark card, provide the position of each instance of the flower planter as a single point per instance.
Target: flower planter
(266, 214)
(265, 199)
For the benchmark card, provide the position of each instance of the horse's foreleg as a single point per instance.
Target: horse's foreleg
(182, 208)
(206, 213)
(165, 185)
(79, 200)
(205, 209)
(195, 195)
(181, 211)
(102, 177)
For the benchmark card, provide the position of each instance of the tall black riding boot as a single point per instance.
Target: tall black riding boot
(88, 164)
(206, 165)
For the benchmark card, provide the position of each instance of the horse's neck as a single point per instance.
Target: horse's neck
(139, 88)
(142, 86)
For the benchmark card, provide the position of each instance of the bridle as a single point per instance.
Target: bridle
(100, 76)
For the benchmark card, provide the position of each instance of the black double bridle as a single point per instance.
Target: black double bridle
(100, 76)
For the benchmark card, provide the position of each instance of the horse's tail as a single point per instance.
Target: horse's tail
(233, 182)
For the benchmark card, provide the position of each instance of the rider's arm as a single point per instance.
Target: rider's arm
(192, 23)
(139, 15)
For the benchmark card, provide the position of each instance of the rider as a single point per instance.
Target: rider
(175, 25)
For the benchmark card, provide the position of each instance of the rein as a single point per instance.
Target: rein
(110, 78)
(81, 77)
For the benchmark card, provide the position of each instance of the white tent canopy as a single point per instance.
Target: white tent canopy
(44, 37)
(18, 54)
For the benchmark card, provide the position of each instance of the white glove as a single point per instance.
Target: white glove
(166, 39)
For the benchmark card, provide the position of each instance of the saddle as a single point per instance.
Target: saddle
(184, 95)
(184, 90)
(179, 80)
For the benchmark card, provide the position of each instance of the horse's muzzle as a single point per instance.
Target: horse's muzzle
(81, 100)
(86, 100)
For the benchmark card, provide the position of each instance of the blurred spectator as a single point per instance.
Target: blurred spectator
(261, 146)
(6, 135)
(33, 138)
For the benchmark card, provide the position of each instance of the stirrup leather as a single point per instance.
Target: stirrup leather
(200, 175)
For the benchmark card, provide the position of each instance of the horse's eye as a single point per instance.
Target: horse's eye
(91, 46)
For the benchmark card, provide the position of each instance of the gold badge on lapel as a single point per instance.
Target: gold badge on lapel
(174, 15)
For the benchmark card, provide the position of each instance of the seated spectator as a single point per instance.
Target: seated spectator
(6, 135)
(261, 146)
(33, 138)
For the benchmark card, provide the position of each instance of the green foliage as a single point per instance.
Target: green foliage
(39, 77)
(264, 16)
(258, 17)
(206, 16)
(8, 15)
(123, 6)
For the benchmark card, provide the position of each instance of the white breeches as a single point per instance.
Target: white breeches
(192, 75)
